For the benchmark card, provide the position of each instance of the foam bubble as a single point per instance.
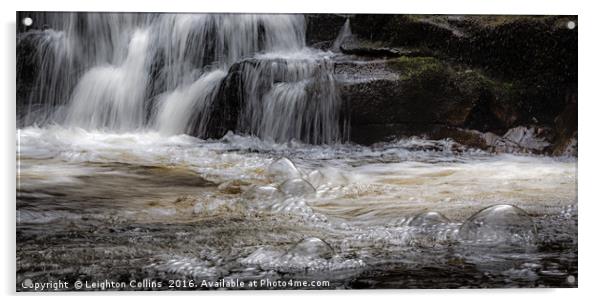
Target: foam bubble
(430, 218)
(261, 192)
(283, 169)
(297, 187)
(499, 224)
(312, 247)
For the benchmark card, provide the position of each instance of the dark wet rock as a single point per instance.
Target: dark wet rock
(426, 92)
(322, 45)
(323, 27)
(378, 50)
(487, 74)
(371, 52)
(425, 96)
(406, 30)
(231, 98)
(227, 105)
(565, 128)
(499, 224)
(351, 72)
(513, 46)
(27, 69)
(520, 139)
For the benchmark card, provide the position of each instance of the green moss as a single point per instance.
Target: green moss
(430, 68)
(476, 79)
(410, 67)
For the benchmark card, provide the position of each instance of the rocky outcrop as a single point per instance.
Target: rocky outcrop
(226, 107)
(323, 27)
(505, 83)
(521, 139)
(425, 93)
(565, 129)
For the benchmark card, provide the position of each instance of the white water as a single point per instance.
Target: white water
(162, 72)
(112, 97)
(176, 110)
(302, 102)
(351, 181)
(361, 201)
(114, 146)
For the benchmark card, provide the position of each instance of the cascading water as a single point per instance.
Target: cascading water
(291, 98)
(113, 96)
(344, 35)
(185, 102)
(127, 72)
(111, 187)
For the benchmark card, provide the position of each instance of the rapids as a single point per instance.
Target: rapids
(118, 177)
(96, 205)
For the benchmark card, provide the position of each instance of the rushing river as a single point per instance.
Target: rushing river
(117, 180)
(105, 206)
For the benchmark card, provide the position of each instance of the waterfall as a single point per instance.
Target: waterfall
(344, 34)
(183, 103)
(291, 99)
(113, 96)
(121, 72)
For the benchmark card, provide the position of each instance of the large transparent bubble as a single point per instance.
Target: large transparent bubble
(297, 187)
(426, 219)
(283, 169)
(499, 224)
(312, 247)
(261, 193)
(316, 178)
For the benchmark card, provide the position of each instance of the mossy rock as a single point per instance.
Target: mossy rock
(414, 67)
(427, 91)
(430, 91)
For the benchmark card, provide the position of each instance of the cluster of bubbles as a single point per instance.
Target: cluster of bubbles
(499, 224)
(286, 193)
(309, 254)
(495, 226)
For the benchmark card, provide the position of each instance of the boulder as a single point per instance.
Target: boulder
(426, 93)
(565, 127)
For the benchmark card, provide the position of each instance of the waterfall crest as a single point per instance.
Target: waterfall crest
(125, 72)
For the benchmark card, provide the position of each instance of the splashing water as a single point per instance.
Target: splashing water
(184, 103)
(125, 72)
(112, 97)
(244, 208)
(117, 176)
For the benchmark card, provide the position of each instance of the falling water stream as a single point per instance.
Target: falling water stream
(119, 178)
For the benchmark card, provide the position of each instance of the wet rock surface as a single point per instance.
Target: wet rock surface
(481, 73)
